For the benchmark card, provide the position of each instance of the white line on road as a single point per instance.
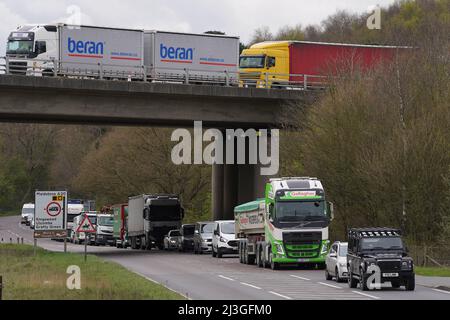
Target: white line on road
(442, 291)
(250, 285)
(226, 278)
(329, 285)
(280, 295)
(301, 278)
(366, 295)
(159, 283)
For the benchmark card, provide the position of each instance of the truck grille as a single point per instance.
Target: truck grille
(300, 245)
(18, 67)
(390, 265)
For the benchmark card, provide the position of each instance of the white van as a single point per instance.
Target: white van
(224, 239)
(27, 213)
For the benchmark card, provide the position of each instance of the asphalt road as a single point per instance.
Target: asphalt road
(201, 277)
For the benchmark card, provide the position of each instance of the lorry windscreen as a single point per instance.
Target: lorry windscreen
(165, 213)
(105, 221)
(257, 62)
(300, 211)
(382, 243)
(19, 47)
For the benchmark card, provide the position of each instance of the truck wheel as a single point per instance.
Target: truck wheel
(352, 282)
(410, 284)
(328, 276)
(133, 243)
(245, 254)
(273, 265)
(258, 256)
(251, 260)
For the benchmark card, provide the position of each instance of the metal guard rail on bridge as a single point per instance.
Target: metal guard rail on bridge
(170, 75)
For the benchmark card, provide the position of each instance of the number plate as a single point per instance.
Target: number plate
(303, 260)
(390, 275)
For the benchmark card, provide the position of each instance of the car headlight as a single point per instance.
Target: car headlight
(407, 265)
(172, 241)
(342, 264)
(222, 239)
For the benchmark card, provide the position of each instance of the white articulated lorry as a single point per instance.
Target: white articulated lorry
(111, 53)
(288, 227)
(203, 57)
(75, 50)
(151, 217)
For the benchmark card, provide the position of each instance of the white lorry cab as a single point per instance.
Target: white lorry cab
(27, 213)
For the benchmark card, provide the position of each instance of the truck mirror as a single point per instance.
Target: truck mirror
(330, 210)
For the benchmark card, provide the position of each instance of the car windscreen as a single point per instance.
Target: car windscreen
(27, 211)
(208, 228)
(382, 243)
(227, 228)
(188, 230)
(343, 251)
(175, 234)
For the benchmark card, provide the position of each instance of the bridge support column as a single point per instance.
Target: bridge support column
(217, 191)
(230, 190)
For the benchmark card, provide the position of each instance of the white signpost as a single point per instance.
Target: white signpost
(50, 215)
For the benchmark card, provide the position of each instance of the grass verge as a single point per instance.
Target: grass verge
(9, 213)
(44, 277)
(433, 271)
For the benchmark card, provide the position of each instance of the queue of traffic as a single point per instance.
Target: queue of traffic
(288, 227)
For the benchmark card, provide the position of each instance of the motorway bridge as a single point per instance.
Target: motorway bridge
(64, 100)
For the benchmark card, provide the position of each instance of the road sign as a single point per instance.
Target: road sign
(50, 214)
(86, 226)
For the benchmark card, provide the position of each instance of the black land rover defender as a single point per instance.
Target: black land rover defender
(377, 255)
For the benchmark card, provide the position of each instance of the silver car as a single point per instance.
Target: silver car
(336, 262)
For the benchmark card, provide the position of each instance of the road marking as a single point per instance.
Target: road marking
(329, 285)
(366, 295)
(301, 278)
(441, 291)
(226, 278)
(250, 285)
(280, 295)
(159, 283)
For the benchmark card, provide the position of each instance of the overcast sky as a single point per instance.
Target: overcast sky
(235, 17)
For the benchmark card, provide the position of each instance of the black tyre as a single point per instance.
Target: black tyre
(273, 264)
(214, 253)
(338, 279)
(219, 253)
(328, 276)
(363, 281)
(410, 284)
(352, 282)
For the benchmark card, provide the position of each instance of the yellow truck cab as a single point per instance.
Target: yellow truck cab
(265, 63)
